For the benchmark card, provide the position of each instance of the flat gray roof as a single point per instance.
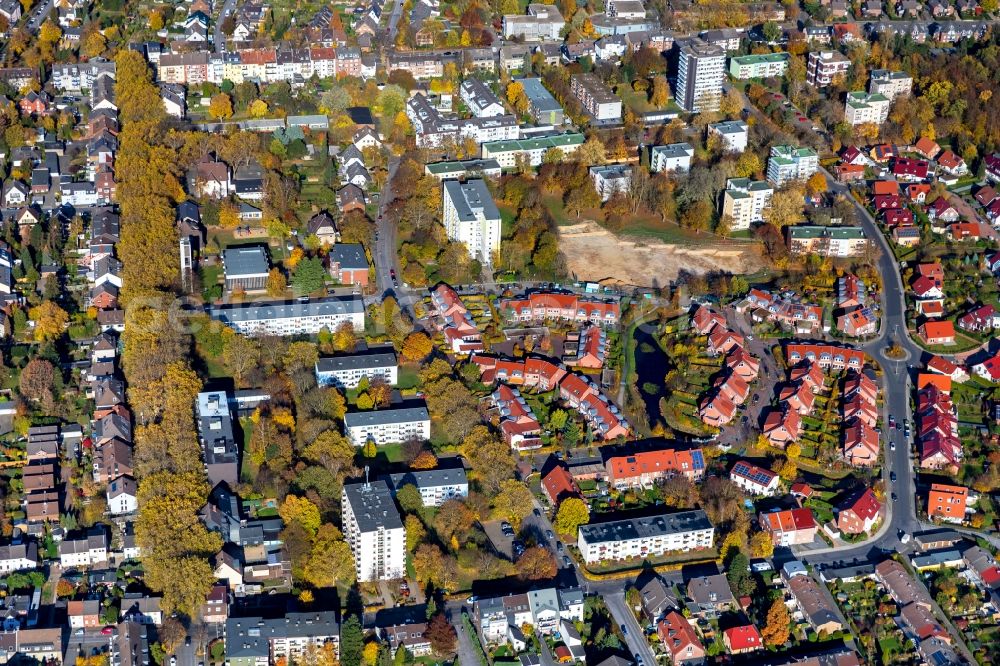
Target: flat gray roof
(356, 362)
(373, 505)
(386, 416)
(330, 305)
(429, 478)
(471, 196)
(245, 260)
(652, 526)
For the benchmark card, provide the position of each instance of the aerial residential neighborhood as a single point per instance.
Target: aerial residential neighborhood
(463, 332)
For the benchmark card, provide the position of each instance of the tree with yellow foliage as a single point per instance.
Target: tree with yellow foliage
(416, 346)
(229, 216)
(156, 21)
(276, 283)
(300, 510)
(221, 107)
(370, 653)
(258, 109)
(775, 632)
(50, 321)
(49, 33)
(761, 545)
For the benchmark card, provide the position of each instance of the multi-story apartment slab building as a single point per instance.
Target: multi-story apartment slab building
(347, 370)
(471, 217)
(744, 201)
(644, 537)
(374, 531)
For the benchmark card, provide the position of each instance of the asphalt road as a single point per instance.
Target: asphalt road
(219, 39)
(634, 637)
(38, 15)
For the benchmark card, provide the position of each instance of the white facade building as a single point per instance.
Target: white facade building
(610, 179)
(890, 84)
(480, 99)
(862, 107)
(734, 133)
(470, 216)
(754, 480)
(673, 157)
(531, 151)
(88, 551)
(644, 537)
(302, 317)
(436, 486)
(347, 370)
(387, 426)
(823, 66)
(701, 68)
(374, 531)
(788, 163)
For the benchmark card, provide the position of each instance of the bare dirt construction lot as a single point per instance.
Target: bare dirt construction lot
(596, 255)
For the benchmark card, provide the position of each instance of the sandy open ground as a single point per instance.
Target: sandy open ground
(594, 254)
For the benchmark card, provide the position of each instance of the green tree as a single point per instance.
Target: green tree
(409, 498)
(740, 579)
(352, 641)
(309, 276)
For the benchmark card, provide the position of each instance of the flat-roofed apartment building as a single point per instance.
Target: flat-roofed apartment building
(531, 151)
(374, 531)
(645, 537)
(388, 426)
(347, 370)
(701, 68)
(758, 66)
(744, 201)
(436, 486)
(831, 241)
(889, 83)
(299, 317)
(542, 106)
(861, 107)
(470, 216)
(596, 97)
(823, 66)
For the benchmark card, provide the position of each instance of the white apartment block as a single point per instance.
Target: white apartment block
(387, 426)
(644, 537)
(611, 179)
(347, 371)
(531, 151)
(283, 318)
(596, 97)
(541, 23)
(862, 107)
(672, 157)
(823, 66)
(436, 486)
(470, 216)
(890, 84)
(734, 134)
(788, 163)
(758, 66)
(745, 200)
(701, 68)
(374, 531)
